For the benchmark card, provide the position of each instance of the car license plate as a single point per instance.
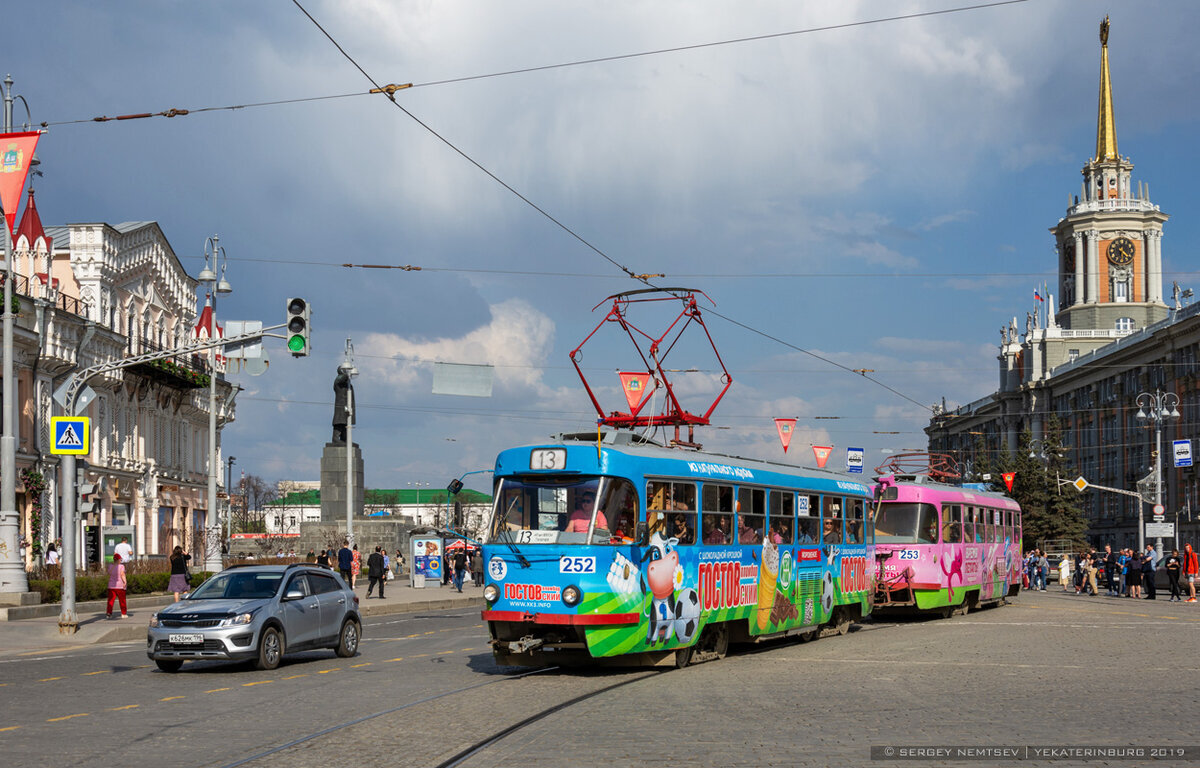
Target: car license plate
(185, 639)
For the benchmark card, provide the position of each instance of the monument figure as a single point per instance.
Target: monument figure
(343, 401)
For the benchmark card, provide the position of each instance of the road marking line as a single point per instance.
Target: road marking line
(293, 677)
(257, 682)
(101, 672)
(356, 666)
(171, 698)
(67, 717)
(217, 690)
(127, 706)
(10, 728)
(48, 679)
(327, 671)
(418, 655)
(398, 658)
(443, 653)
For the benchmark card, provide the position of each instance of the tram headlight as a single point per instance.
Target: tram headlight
(491, 593)
(571, 595)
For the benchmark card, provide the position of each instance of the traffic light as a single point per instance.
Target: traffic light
(89, 499)
(454, 487)
(458, 514)
(298, 328)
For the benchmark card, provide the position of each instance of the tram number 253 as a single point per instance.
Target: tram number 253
(910, 554)
(577, 564)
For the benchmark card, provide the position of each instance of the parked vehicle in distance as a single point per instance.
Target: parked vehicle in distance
(259, 612)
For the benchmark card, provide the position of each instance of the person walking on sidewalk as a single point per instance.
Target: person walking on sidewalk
(356, 568)
(1191, 569)
(460, 569)
(1110, 569)
(124, 550)
(116, 586)
(1174, 564)
(1149, 571)
(179, 572)
(477, 569)
(375, 569)
(346, 562)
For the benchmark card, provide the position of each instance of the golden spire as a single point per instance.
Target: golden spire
(1106, 123)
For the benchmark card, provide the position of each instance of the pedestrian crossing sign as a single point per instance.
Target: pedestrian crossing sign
(71, 434)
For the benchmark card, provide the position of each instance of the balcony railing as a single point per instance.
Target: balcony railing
(190, 371)
(22, 287)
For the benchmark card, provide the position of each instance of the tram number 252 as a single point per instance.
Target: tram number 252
(577, 564)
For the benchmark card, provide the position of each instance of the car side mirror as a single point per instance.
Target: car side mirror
(293, 594)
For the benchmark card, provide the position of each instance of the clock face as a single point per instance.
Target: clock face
(1121, 251)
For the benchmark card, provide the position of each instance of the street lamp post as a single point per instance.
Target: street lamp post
(212, 548)
(229, 497)
(1161, 405)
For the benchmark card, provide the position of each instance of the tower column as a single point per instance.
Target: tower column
(1079, 272)
(1156, 239)
(1093, 266)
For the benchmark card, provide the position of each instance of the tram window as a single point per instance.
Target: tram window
(666, 501)
(854, 522)
(717, 513)
(951, 524)
(831, 520)
(545, 511)
(752, 515)
(905, 522)
(619, 507)
(782, 503)
(807, 509)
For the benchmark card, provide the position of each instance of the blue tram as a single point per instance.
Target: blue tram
(603, 547)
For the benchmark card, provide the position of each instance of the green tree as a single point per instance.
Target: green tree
(1049, 509)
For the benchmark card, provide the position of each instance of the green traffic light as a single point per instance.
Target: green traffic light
(296, 343)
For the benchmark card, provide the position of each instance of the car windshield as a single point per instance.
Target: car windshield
(902, 522)
(239, 585)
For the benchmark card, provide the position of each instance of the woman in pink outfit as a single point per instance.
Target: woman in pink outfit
(116, 585)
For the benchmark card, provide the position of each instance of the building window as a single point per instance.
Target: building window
(1120, 290)
(1072, 354)
(1125, 324)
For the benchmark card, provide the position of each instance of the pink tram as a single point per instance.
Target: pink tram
(941, 547)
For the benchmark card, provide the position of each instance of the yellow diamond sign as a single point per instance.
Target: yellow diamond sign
(1080, 483)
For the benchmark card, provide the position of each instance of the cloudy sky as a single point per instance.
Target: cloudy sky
(875, 195)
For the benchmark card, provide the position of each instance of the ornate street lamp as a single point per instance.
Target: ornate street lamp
(1161, 405)
(212, 548)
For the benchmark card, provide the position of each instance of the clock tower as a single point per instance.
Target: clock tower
(1110, 241)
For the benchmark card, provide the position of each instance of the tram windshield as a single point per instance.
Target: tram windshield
(564, 510)
(905, 522)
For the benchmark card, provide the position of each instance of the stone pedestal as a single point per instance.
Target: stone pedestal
(333, 483)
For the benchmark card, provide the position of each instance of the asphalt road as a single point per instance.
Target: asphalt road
(1051, 669)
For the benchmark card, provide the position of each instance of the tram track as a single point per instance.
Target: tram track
(382, 713)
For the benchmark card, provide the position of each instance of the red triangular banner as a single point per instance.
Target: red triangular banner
(785, 427)
(634, 385)
(16, 150)
(1008, 480)
(822, 453)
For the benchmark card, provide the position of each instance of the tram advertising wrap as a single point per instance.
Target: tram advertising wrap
(640, 549)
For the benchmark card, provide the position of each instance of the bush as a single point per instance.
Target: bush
(93, 586)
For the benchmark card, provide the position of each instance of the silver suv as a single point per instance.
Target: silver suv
(257, 612)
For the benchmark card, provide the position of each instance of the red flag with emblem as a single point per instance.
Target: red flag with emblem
(1008, 480)
(822, 453)
(16, 150)
(634, 385)
(785, 427)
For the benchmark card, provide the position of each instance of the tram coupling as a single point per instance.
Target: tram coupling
(525, 644)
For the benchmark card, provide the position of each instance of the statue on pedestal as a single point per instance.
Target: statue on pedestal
(343, 403)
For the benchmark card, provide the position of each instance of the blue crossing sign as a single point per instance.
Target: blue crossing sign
(72, 434)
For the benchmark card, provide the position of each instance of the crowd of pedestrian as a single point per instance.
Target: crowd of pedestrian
(1123, 573)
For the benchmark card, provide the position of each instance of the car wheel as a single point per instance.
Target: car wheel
(348, 639)
(270, 649)
(169, 665)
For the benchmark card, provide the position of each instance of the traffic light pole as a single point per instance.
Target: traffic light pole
(67, 619)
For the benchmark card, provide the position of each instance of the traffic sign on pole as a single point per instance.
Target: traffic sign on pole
(1080, 484)
(71, 435)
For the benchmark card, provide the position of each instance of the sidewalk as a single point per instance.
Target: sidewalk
(32, 629)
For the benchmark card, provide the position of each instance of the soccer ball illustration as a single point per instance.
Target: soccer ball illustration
(687, 614)
(827, 592)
